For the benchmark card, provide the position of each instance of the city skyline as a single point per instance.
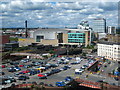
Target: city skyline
(56, 14)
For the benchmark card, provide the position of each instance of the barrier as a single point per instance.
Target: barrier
(23, 85)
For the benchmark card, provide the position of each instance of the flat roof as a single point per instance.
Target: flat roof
(109, 43)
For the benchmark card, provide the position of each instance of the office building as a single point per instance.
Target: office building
(109, 50)
(99, 25)
(111, 30)
(58, 36)
(10, 46)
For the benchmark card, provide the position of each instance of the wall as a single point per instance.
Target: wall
(4, 39)
(65, 38)
(113, 38)
(53, 42)
(25, 41)
(109, 51)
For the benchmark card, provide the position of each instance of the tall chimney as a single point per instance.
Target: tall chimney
(26, 28)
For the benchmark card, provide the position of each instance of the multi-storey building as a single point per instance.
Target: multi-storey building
(109, 50)
(59, 36)
(52, 36)
(99, 25)
(111, 30)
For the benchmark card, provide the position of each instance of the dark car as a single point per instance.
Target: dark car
(48, 73)
(27, 66)
(23, 77)
(33, 72)
(14, 63)
(55, 71)
(8, 80)
(67, 66)
(12, 70)
(53, 65)
(2, 73)
(116, 78)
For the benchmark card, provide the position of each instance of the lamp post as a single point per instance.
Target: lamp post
(67, 51)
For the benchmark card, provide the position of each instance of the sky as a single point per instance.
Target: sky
(55, 14)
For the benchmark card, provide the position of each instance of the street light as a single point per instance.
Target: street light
(67, 51)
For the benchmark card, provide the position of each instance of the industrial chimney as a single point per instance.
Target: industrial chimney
(26, 29)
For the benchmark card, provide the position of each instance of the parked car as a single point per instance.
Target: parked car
(14, 63)
(2, 73)
(78, 71)
(60, 84)
(17, 68)
(76, 62)
(23, 77)
(25, 60)
(27, 66)
(7, 80)
(116, 78)
(42, 76)
(3, 66)
(21, 65)
(11, 69)
(67, 66)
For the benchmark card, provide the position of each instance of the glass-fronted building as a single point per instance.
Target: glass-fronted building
(76, 37)
(99, 25)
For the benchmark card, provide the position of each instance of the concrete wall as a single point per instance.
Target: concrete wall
(4, 39)
(109, 51)
(53, 42)
(25, 41)
(86, 38)
(113, 38)
(65, 38)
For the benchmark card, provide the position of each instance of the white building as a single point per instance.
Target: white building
(111, 30)
(109, 50)
(84, 25)
(101, 35)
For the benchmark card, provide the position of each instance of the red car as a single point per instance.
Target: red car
(3, 66)
(21, 65)
(26, 71)
(41, 76)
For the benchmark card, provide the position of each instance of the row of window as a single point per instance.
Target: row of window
(76, 41)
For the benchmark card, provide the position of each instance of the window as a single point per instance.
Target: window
(38, 38)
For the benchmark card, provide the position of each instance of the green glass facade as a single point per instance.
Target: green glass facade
(76, 37)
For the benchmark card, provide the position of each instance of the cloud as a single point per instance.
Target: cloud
(108, 6)
(55, 13)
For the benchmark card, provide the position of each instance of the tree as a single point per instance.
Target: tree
(83, 54)
(52, 52)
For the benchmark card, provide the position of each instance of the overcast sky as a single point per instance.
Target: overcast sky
(56, 14)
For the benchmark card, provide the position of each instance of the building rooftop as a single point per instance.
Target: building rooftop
(109, 43)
